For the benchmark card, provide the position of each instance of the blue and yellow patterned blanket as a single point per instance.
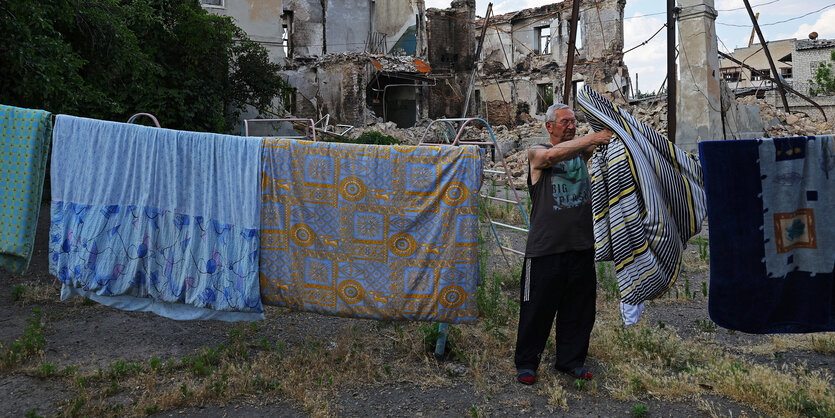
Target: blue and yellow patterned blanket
(24, 140)
(371, 231)
(155, 219)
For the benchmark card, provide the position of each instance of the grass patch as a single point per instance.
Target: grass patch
(29, 345)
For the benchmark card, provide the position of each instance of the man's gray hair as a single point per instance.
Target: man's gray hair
(551, 113)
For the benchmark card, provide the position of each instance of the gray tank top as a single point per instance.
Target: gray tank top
(561, 217)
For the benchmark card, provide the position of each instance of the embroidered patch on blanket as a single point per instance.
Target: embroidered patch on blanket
(772, 233)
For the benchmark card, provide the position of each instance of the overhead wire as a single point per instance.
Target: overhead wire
(779, 21)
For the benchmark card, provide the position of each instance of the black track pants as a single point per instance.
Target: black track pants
(564, 285)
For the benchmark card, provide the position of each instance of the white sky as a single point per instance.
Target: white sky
(644, 17)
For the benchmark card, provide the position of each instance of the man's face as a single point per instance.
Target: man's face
(564, 127)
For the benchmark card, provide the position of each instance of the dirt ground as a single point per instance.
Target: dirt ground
(92, 337)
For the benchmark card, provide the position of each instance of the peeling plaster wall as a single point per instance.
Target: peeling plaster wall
(260, 19)
(392, 17)
(337, 89)
(343, 25)
(451, 52)
(308, 32)
(348, 24)
(602, 29)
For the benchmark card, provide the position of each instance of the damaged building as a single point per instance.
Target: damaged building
(362, 61)
(525, 53)
(354, 60)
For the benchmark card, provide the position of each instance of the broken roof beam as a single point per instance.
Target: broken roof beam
(767, 53)
(775, 80)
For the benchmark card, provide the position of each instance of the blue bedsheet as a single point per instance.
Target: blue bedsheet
(165, 218)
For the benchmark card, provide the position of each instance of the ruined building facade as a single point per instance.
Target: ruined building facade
(365, 60)
(525, 54)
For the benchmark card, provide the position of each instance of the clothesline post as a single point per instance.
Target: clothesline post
(440, 343)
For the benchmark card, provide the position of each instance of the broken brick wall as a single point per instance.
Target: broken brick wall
(515, 53)
(451, 53)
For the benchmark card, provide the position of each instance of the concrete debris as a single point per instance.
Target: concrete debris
(388, 62)
(780, 124)
(513, 142)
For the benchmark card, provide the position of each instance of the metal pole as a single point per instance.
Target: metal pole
(572, 38)
(672, 78)
(477, 58)
(751, 39)
(767, 55)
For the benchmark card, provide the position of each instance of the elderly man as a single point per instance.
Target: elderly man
(558, 276)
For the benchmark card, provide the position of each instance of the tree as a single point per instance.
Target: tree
(109, 59)
(823, 82)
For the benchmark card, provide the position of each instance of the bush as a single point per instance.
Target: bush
(367, 138)
(109, 59)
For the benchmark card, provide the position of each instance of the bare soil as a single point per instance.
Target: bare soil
(92, 337)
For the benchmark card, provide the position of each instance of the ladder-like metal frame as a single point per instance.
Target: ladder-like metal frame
(448, 124)
(308, 129)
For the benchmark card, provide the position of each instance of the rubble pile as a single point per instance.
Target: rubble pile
(513, 141)
(780, 124)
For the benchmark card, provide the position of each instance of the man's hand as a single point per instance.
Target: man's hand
(594, 139)
(600, 138)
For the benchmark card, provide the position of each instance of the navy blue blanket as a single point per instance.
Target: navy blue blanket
(771, 219)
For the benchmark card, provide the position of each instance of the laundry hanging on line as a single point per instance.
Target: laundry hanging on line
(771, 205)
(24, 141)
(156, 220)
(648, 199)
(381, 232)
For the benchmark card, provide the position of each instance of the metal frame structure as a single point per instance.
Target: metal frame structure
(309, 130)
(153, 118)
(448, 124)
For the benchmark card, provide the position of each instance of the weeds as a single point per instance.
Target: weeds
(17, 292)
(26, 346)
(608, 281)
(824, 344)
(703, 249)
(121, 368)
(639, 411)
(705, 325)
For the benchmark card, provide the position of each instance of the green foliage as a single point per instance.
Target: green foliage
(799, 401)
(120, 368)
(204, 361)
(28, 345)
(638, 411)
(109, 59)
(33, 414)
(823, 82)
(703, 244)
(45, 370)
(367, 138)
(608, 281)
(17, 292)
(706, 325)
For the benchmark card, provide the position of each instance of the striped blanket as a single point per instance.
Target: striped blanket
(371, 231)
(155, 219)
(24, 140)
(772, 233)
(647, 201)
